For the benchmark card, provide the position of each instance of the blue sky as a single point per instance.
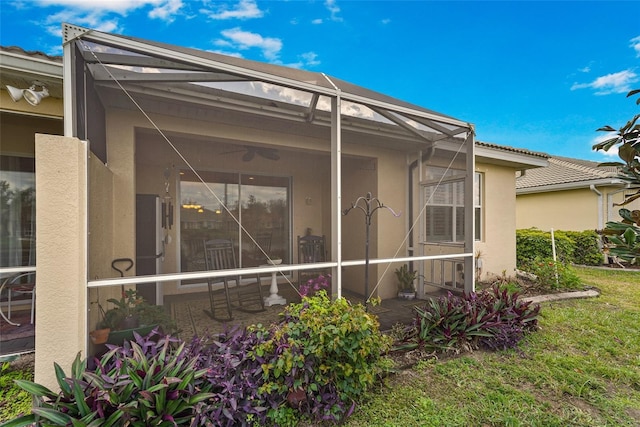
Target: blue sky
(537, 75)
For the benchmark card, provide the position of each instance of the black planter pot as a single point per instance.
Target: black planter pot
(130, 322)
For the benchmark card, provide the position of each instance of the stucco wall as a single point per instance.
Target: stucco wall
(572, 210)
(49, 107)
(61, 329)
(101, 241)
(498, 244)
(575, 210)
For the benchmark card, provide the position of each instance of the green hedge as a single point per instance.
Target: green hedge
(576, 247)
(587, 247)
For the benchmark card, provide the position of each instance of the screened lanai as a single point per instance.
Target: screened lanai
(187, 146)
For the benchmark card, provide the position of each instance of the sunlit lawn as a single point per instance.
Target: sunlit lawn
(581, 369)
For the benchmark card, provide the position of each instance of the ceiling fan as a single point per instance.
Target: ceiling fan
(250, 152)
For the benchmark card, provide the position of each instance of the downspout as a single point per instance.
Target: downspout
(600, 207)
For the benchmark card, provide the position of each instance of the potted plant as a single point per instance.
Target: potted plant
(406, 278)
(131, 313)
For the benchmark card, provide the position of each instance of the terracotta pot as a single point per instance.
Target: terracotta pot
(99, 336)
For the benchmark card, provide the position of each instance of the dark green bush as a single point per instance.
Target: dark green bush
(587, 250)
(572, 247)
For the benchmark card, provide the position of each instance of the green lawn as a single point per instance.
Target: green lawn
(581, 369)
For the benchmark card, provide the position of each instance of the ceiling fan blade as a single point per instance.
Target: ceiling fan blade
(270, 154)
(248, 156)
(232, 151)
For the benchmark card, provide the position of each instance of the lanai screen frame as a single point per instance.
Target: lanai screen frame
(418, 128)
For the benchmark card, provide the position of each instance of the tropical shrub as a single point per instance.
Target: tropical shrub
(234, 377)
(322, 357)
(554, 275)
(624, 235)
(533, 243)
(587, 248)
(493, 318)
(149, 381)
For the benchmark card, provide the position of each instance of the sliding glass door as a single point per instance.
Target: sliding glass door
(253, 211)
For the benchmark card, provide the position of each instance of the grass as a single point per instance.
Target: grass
(13, 400)
(581, 369)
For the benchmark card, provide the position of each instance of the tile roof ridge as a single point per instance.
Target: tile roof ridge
(512, 149)
(586, 166)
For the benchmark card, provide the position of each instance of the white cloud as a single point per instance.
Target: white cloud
(307, 59)
(619, 82)
(98, 14)
(245, 9)
(246, 40)
(585, 69)
(385, 21)
(635, 45)
(167, 10)
(96, 6)
(95, 20)
(317, 21)
(310, 58)
(334, 9)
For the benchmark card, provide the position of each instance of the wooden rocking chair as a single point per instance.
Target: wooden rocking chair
(220, 255)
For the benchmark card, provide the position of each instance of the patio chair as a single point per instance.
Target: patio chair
(262, 244)
(311, 249)
(23, 284)
(220, 255)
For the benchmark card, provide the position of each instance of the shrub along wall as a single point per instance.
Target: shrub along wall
(575, 247)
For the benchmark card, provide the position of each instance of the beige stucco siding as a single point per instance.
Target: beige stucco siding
(48, 107)
(498, 244)
(571, 210)
(61, 329)
(561, 210)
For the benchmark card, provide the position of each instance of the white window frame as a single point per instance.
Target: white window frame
(478, 200)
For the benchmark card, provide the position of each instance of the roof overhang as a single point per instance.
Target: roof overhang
(579, 185)
(20, 69)
(508, 158)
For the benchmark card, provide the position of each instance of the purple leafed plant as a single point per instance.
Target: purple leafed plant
(314, 285)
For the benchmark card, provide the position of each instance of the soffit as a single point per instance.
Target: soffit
(21, 68)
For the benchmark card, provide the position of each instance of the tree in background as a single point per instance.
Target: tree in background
(624, 236)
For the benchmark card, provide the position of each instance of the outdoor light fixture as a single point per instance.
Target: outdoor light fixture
(31, 95)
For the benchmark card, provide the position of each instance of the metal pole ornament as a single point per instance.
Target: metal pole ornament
(368, 205)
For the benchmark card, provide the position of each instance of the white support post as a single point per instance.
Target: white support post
(336, 196)
(469, 217)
